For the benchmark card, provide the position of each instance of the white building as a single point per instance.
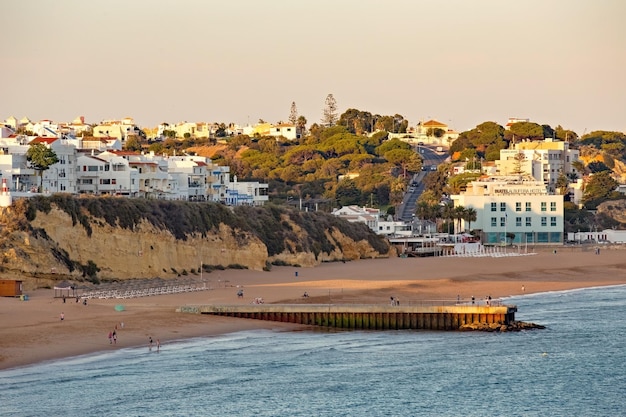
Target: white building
(247, 193)
(603, 236)
(195, 171)
(542, 160)
(509, 206)
(14, 167)
(355, 214)
(286, 130)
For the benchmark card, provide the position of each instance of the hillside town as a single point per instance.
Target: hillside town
(514, 200)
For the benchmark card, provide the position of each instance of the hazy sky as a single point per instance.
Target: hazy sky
(556, 62)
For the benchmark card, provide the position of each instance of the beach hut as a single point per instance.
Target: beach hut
(10, 288)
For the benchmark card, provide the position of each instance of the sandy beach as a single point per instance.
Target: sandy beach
(32, 331)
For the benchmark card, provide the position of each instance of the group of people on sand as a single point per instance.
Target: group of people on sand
(113, 333)
(395, 301)
(151, 342)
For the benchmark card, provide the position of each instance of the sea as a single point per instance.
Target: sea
(574, 367)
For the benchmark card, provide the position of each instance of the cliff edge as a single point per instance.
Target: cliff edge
(45, 239)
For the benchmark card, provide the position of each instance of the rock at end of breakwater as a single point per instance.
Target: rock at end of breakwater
(515, 326)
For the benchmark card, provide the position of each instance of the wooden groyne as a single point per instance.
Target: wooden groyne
(366, 317)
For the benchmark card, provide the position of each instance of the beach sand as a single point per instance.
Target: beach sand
(32, 331)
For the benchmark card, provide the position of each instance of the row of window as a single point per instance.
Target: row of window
(102, 181)
(518, 221)
(528, 206)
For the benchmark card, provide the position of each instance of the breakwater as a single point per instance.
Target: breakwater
(366, 317)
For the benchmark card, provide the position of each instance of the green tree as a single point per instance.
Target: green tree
(597, 166)
(562, 182)
(459, 214)
(599, 188)
(301, 125)
(41, 158)
(391, 144)
(406, 159)
(470, 215)
(132, 143)
(579, 166)
(293, 113)
(330, 111)
(527, 130)
(427, 210)
(448, 213)
(436, 132)
(347, 193)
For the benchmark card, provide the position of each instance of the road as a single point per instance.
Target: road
(431, 159)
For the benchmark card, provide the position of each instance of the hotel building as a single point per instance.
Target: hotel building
(508, 206)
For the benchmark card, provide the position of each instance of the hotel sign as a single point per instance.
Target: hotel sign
(519, 191)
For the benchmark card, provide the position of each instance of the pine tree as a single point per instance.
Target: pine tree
(330, 111)
(293, 114)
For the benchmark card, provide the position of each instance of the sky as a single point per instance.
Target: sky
(557, 62)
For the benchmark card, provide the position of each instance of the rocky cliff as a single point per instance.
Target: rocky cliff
(112, 238)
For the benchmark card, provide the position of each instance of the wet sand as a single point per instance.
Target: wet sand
(32, 331)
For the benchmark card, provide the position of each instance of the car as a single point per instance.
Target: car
(411, 189)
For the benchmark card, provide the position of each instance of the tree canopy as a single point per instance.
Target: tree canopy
(41, 158)
(601, 187)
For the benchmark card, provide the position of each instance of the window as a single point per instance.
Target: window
(494, 222)
(529, 221)
(493, 207)
(502, 206)
(503, 221)
(553, 221)
(518, 206)
(544, 221)
(543, 206)
(518, 221)
(553, 206)
(527, 206)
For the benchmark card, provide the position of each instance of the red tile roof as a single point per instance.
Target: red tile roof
(47, 141)
(433, 123)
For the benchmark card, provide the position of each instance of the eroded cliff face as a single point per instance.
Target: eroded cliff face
(144, 252)
(147, 252)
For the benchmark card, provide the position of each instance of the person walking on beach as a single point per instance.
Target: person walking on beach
(110, 338)
(62, 316)
(114, 337)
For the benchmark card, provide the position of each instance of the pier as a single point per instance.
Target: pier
(366, 317)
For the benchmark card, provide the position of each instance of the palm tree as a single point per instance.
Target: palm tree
(470, 216)
(459, 213)
(427, 211)
(448, 213)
